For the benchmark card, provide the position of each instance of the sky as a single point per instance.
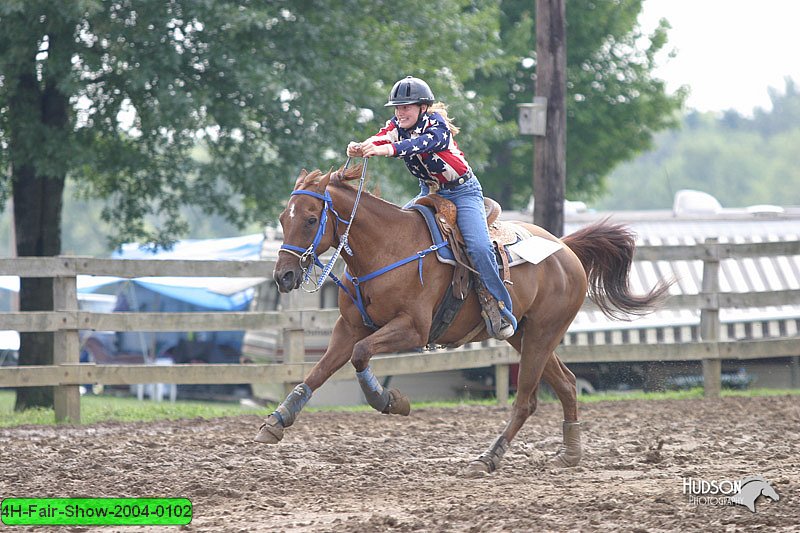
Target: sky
(729, 52)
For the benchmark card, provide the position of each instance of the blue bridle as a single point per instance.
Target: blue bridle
(327, 205)
(311, 251)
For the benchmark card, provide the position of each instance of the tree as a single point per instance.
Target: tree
(785, 112)
(118, 96)
(614, 104)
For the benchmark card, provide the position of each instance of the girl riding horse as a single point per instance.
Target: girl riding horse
(421, 133)
(546, 298)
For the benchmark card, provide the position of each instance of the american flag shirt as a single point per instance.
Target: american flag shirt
(428, 149)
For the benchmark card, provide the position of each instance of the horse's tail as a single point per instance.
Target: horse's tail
(606, 252)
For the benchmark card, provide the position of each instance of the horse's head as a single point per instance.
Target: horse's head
(309, 225)
(306, 228)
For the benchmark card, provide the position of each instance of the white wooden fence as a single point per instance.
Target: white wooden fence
(67, 373)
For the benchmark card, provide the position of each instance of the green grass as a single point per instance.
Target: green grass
(752, 393)
(690, 394)
(109, 408)
(615, 396)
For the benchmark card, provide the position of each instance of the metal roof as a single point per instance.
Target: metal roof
(654, 228)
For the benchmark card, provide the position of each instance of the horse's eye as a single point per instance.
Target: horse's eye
(311, 221)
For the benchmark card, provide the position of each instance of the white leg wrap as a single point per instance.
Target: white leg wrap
(569, 454)
(376, 395)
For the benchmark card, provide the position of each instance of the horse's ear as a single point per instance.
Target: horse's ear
(323, 182)
(300, 178)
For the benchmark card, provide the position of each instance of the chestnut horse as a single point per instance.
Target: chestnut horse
(546, 297)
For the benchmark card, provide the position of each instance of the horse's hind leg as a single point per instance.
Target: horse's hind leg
(534, 364)
(562, 381)
(535, 355)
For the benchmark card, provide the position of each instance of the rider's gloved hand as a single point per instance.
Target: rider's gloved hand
(371, 149)
(354, 149)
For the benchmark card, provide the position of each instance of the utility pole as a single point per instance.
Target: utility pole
(550, 163)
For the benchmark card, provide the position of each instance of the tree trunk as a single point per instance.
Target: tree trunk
(37, 214)
(550, 163)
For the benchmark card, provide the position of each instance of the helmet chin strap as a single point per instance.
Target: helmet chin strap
(421, 112)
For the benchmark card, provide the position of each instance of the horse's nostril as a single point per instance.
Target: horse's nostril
(287, 280)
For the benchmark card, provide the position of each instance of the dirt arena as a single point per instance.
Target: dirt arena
(363, 472)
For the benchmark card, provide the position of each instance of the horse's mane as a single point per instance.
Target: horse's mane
(307, 178)
(343, 175)
(341, 178)
(344, 178)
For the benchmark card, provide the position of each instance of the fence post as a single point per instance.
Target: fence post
(294, 352)
(66, 350)
(709, 320)
(501, 375)
(795, 371)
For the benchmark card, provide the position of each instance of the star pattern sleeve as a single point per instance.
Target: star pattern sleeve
(432, 137)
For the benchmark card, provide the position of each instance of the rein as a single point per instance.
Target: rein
(327, 270)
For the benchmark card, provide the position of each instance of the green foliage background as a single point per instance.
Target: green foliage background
(178, 107)
(739, 160)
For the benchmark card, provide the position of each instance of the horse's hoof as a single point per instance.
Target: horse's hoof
(569, 454)
(399, 404)
(476, 469)
(563, 460)
(270, 433)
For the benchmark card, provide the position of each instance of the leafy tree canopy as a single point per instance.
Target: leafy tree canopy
(262, 87)
(614, 103)
(217, 105)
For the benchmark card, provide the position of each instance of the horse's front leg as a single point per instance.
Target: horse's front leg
(397, 335)
(339, 350)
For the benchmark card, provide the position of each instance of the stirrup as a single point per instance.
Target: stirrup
(490, 310)
(506, 330)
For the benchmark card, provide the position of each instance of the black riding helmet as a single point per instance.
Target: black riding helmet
(410, 90)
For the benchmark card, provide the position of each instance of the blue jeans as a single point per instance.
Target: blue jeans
(471, 219)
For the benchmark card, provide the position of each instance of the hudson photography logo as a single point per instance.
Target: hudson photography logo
(724, 492)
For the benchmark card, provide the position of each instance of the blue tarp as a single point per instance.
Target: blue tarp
(182, 294)
(204, 297)
(175, 294)
(215, 294)
(246, 247)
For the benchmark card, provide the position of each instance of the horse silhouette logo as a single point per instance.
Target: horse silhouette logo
(751, 488)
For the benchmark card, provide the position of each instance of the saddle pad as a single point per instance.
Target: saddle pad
(444, 255)
(534, 249)
(527, 249)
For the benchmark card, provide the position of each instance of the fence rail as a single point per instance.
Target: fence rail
(66, 320)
